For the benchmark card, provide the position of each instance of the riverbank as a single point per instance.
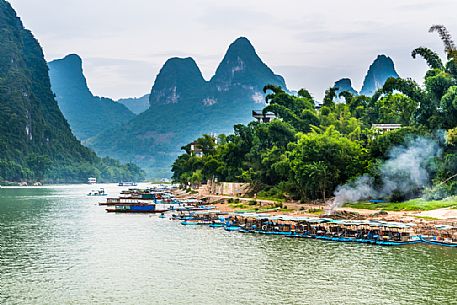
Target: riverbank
(418, 211)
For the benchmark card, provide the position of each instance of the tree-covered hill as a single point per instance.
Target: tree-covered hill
(341, 149)
(36, 142)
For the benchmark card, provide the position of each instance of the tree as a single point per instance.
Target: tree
(321, 155)
(39, 165)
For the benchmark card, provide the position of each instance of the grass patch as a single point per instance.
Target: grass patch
(281, 200)
(238, 205)
(418, 204)
(426, 217)
(253, 207)
(265, 210)
(315, 211)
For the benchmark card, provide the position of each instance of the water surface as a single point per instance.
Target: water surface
(57, 246)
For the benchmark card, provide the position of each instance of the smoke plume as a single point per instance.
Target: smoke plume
(406, 170)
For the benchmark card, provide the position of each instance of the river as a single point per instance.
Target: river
(57, 246)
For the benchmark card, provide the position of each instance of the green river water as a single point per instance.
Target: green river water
(58, 247)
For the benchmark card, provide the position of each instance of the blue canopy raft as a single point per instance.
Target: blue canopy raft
(373, 232)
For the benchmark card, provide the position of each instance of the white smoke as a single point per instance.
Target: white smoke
(406, 170)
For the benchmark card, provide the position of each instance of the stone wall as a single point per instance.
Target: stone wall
(227, 188)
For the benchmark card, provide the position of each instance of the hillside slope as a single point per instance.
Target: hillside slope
(35, 139)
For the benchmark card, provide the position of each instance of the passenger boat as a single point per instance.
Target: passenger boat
(193, 222)
(440, 235)
(433, 240)
(211, 218)
(138, 208)
(100, 192)
(370, 232)
(128, 183)
(217, 225)
(232, 228)
(414, 240)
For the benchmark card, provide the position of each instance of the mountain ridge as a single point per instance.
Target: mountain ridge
(180, 112)
(136, 105)
(36, 142)
(87, 114)
(178, 79)
(379, 71)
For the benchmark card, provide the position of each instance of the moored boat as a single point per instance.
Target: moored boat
(100, 192)
(370, 232)
(146, 208)
(440, 235)
(216, 225)
(443, 243)
(232, 228)
(193, 222)
(128, 183)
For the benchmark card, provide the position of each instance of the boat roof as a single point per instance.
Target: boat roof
(372, 223)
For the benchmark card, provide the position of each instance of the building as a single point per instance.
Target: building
(195, 150)
(382, 128)
(263, 118)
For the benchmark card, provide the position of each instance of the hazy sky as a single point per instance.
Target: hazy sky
(124, 43)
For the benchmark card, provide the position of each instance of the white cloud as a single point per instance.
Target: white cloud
(312, 43)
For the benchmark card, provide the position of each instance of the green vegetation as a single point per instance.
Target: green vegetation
(418, 204)
(36, 142)
(307, 152)
(426, 218)
(316, 211)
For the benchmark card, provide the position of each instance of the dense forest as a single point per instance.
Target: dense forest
(308, 151)
(36, 142)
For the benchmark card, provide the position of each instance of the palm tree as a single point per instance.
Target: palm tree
(436, 107)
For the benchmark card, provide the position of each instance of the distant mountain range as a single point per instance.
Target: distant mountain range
(379, 71)
(181, 106)
(136, 105)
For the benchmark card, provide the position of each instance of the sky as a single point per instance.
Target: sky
(124, 43)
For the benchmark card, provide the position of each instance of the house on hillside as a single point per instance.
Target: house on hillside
(263, 118)
(382, 128)
(195, 150)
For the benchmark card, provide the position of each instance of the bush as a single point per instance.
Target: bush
(441, 191)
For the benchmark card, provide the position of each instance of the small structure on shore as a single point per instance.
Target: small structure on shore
(382, 128)
(227, 188)
(195, 150)
(263, 118)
